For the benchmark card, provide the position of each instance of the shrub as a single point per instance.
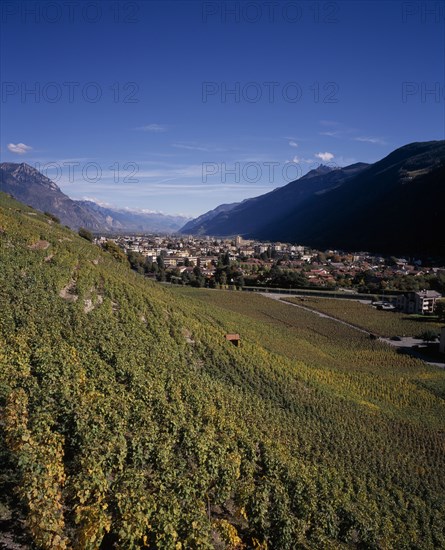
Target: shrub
(85, 234)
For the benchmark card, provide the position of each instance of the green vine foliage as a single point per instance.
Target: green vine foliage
(382, 323)
(128, 421)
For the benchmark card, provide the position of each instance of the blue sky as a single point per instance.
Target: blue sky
(180, 106)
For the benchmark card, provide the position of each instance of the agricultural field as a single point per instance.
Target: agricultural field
(128, 421)
(382, 323)
(357, 365)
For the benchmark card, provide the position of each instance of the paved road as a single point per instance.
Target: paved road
(406, 343)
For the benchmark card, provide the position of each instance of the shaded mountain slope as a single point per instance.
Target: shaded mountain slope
(198, 225)
(248, 216)
(397, 205)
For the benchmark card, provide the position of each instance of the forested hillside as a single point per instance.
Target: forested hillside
(128, 421)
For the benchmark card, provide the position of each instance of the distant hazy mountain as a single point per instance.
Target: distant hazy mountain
(28, 185)
(396, 205)
(249, 216)
(135, 221)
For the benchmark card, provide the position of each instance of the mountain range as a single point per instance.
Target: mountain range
(30, 186)
(396, 205)
(245, 218)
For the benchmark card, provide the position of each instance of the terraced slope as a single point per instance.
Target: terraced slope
(128, 420)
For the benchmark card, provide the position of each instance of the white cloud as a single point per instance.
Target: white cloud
(159, 173)
(376, 141)
(19, 148)
(97, 201)
(153, 128)
(336, 129)
(293, 143)
(189, 147)
(197, 147)
(325, 157)
(333, 133)
(301, 160)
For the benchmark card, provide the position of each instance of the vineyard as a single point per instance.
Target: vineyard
(128, 421)
(383, 323)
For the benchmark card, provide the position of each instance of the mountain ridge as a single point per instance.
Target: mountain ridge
(243, 219)
(207, 216)
(373, 209)
(385, 215)
(30, 186)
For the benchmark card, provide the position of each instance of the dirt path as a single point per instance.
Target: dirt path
(319, 313)
(406, 344)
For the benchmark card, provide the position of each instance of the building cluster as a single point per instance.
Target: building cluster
(257, 260)
(188, 252)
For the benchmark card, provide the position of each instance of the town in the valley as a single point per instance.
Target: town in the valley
(406, 284)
